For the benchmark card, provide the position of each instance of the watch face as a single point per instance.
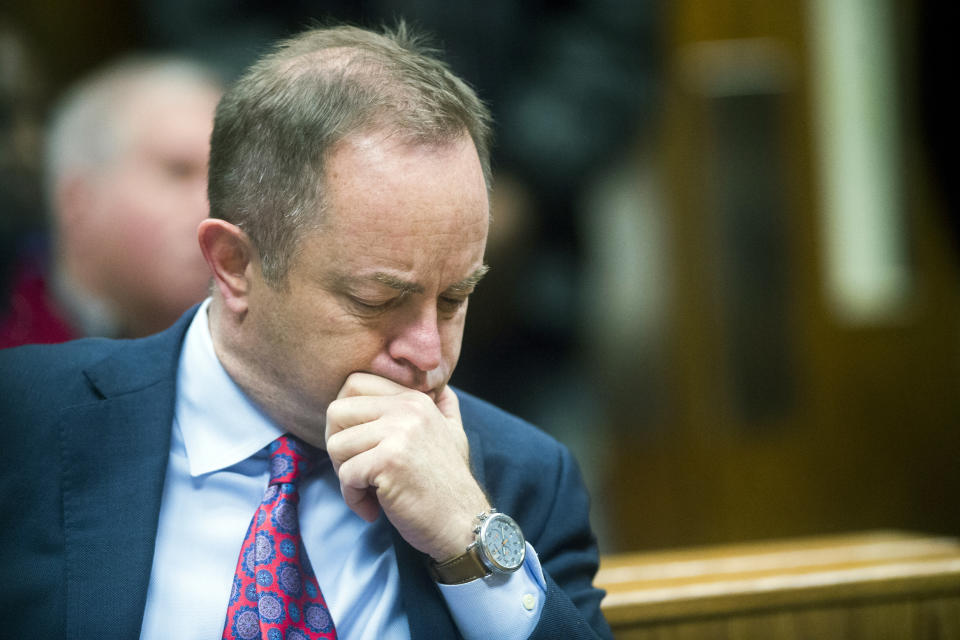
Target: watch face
(502, 542)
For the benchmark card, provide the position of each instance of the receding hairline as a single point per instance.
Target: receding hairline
(330, 83)
(331, 59)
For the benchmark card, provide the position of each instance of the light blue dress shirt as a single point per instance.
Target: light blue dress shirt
(216, 476)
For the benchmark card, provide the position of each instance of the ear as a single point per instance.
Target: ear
(230, 255)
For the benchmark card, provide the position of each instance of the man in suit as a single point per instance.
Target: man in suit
(348, 188)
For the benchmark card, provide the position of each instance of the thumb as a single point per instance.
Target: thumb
(449, 404)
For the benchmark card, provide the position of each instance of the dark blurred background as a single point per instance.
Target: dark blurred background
(724, 269)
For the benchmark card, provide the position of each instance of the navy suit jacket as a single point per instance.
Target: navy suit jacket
(84, 439)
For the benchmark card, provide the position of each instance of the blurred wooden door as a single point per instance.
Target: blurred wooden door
(777, 417)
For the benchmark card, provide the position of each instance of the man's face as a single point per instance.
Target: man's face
(382, 286)
(141, 252)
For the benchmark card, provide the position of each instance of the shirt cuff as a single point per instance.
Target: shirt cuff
(500, 606)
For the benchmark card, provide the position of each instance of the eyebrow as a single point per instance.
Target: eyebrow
(405, 287)
(401, 285)
(470, 282)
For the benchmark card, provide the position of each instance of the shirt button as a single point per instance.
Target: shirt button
(529, 601)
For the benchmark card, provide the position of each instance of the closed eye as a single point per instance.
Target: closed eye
(448, 304)
(369, 307)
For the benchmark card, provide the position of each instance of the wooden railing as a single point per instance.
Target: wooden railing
(871, 585)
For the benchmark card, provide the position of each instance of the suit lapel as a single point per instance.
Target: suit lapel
(476, 451)
(115, 453)
(427, 613)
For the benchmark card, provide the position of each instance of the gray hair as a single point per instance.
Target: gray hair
(87, 130)
(275, 127)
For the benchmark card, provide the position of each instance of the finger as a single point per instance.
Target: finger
(365, 504)
(347, 412)
(449, 404)
(356, 485)
(361, 383)
(343, 445)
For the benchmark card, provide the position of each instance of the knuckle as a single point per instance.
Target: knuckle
(335, 412)
(350, 385)
(405, 426)
(393, 452)
(415, 401)
(334, 447)
(348, 472)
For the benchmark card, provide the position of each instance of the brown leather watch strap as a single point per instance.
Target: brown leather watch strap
(464, 568)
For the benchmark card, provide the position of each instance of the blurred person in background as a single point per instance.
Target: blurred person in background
(126, 168)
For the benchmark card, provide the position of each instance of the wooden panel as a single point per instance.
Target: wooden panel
(868, 440)
(920, 619)
(872, 585)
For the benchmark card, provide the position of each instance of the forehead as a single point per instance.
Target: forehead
(375, 182)
(413, 211)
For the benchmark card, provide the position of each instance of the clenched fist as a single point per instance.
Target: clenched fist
(406, 453)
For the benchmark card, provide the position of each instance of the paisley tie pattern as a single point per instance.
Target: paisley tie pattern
(275, 593)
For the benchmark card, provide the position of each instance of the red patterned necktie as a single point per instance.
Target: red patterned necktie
(275, 593)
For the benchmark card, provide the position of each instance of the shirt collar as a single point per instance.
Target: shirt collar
(220, 425)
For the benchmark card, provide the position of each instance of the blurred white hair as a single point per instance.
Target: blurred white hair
(88, 125)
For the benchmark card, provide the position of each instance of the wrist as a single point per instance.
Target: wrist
(460, 534)
(498, 547)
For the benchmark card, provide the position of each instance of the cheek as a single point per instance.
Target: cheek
(327, 360)
(325, 341)
(366, 350)
(359, 347)
(452, 335)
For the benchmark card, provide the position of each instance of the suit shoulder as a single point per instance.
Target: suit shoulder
(51, 359)
(508, 440)
(491, 421)
(37, 379)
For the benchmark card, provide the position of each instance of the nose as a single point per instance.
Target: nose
(418, 341)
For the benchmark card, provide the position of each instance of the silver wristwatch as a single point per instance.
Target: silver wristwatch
(499, 547)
